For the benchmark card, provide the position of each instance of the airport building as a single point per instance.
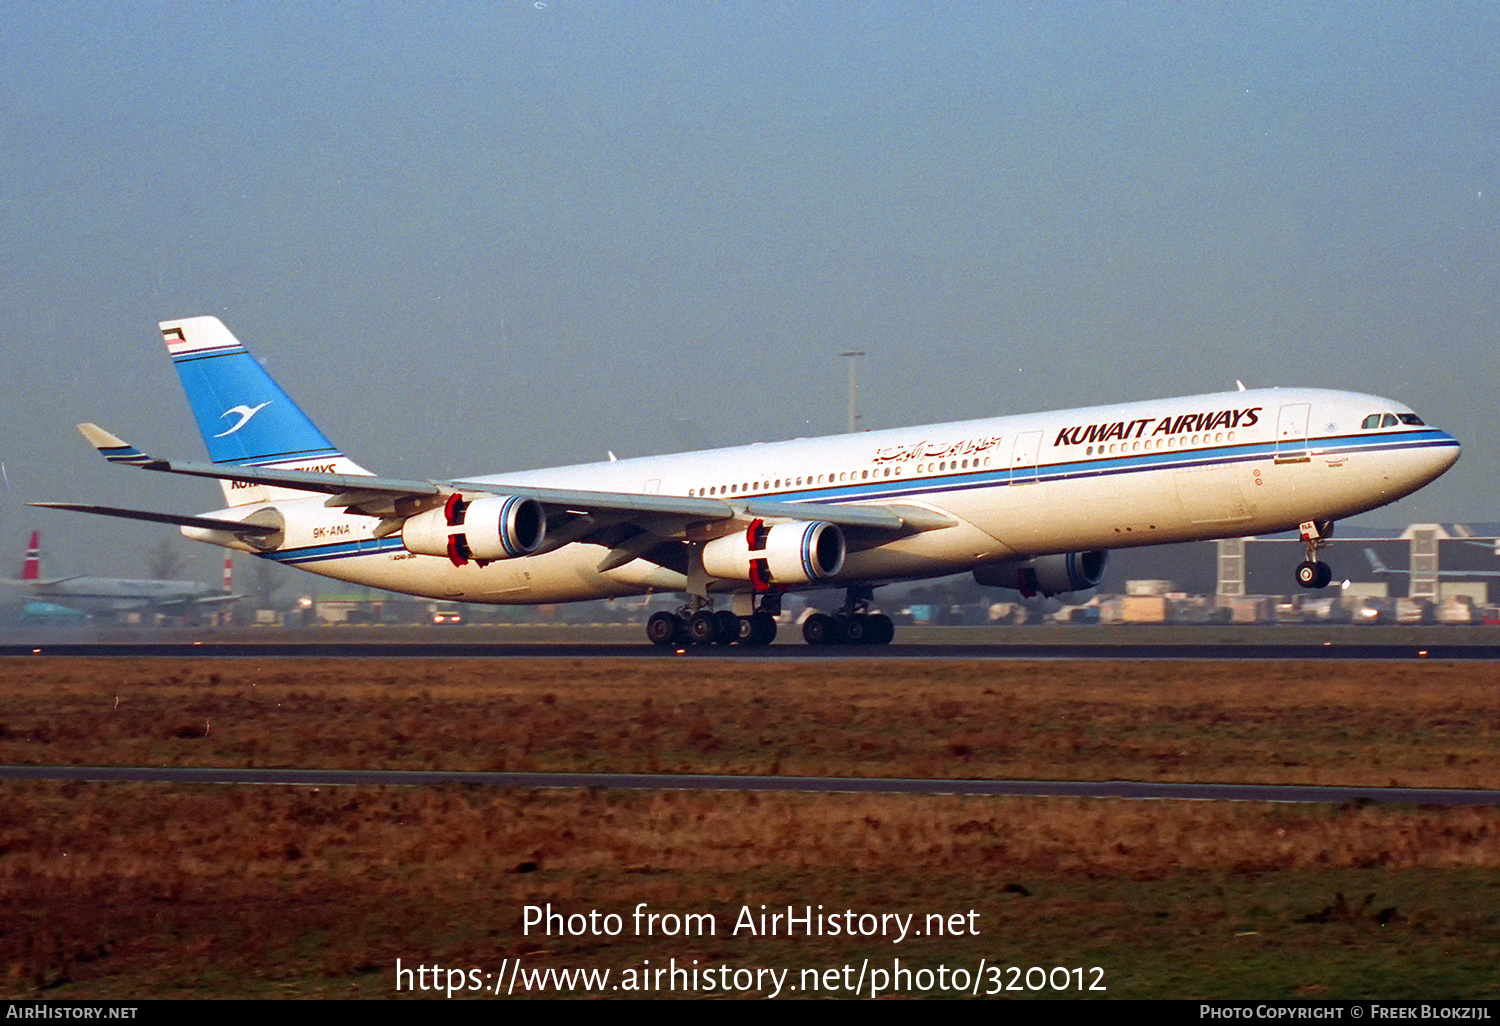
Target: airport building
(1422, 572)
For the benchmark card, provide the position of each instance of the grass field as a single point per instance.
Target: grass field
(132, 890)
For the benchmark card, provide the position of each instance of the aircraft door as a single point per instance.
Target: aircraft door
(1291, 433)
(1024, 457)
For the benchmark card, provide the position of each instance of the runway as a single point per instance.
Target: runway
(1120, 789)
(1323, 641)
(465, 649)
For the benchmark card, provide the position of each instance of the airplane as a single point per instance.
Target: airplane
(111, 596)
(1031, 502)
(1377, 566)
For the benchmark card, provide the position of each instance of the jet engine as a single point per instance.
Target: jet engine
(483, 529)
(796, 552)
(1047, 575)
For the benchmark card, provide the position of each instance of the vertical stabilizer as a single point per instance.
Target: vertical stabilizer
(32, 569)
(245, 418)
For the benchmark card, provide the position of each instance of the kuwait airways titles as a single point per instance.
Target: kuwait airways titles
(1182, 424)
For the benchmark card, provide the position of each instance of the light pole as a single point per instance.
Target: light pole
(853, 356)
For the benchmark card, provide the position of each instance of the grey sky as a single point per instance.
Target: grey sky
(478, 236)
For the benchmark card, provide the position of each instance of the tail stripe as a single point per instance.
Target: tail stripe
(127, 454)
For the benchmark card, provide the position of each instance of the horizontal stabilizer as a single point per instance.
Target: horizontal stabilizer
(114, 449)
(203, 523)
(117, 450)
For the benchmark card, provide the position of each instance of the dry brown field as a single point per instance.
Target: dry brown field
(134, 890)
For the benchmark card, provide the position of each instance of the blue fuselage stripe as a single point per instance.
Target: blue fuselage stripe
(887, 489)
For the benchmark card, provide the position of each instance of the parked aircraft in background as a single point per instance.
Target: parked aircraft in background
(1032, 502)
(111, 595)
(1377, 566)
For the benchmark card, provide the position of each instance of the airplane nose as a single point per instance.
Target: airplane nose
(1442, 452)
(1451, 453)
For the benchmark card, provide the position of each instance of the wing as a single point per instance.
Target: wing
(206, 523)
(631, 524)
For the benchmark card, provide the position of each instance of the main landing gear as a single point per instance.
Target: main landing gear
(701, 626)
(853, 624)
(1312, 572)
(696, 624)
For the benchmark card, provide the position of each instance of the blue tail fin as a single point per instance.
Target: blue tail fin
(244, 416)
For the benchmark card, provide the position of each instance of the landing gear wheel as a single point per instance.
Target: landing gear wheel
(1312, 574)
(662, 628)
(819, 629)
(726, 628)
(882, 629)
(701, 628)
(857, 629)
(765, 628)
(757, 629)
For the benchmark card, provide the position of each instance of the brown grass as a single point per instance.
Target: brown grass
(1373, 724)
(135, 890)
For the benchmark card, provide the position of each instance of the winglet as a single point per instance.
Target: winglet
(117, 450)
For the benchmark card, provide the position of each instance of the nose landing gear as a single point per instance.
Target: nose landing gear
(1312, 572)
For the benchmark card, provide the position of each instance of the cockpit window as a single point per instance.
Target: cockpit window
(1385, 420)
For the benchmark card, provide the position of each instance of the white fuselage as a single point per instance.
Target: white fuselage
(1223, 465)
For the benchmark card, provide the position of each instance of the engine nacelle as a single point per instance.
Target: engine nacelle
(797, 552)
(1047, 575)
(484, 529)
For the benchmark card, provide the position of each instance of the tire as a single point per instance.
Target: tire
(762, 630)
(1307, 574)
(661, 629)
(726, 628)
(882, 629)
(701, 628)
(857, 630)
(818, 629)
